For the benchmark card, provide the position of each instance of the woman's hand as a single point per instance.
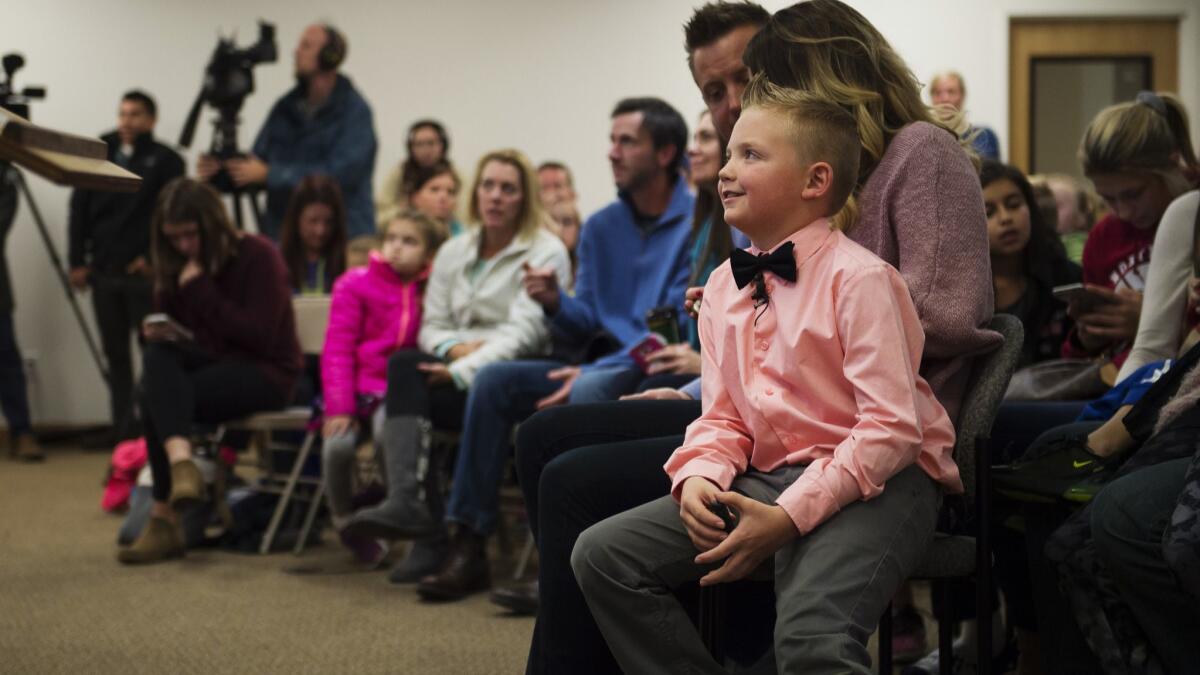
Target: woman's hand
(191, 270)
(336, 425)
(691, 301)
(679, 359)
(436, 373)
(462, 349)
(1114, 321)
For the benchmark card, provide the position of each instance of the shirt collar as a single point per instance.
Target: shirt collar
(807, 240)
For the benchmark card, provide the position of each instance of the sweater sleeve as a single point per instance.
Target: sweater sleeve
(941, 231)
(1161, 325)
(525, 330)
(437, 321)
(576, 317)
(338, 355)
(253, 323)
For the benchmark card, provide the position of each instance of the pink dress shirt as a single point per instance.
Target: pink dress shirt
(824, 375)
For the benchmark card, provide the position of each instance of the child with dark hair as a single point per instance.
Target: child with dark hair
(1028, 261)
(313, 239)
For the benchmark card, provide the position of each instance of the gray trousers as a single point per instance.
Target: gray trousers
(337, 465)
(831, 586)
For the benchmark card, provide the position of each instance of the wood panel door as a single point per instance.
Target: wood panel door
(1115, 44)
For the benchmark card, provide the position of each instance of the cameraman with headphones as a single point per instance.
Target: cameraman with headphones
(322, 126)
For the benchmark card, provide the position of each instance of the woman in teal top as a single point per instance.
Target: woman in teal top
(712, 240)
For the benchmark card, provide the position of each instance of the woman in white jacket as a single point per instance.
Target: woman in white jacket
(475, 313)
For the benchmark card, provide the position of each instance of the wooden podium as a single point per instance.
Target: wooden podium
(69, 160)
(66, 159)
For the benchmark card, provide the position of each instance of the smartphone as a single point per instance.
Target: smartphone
(665, 322)
(642, 350)
(1084, 300)
(177, 330)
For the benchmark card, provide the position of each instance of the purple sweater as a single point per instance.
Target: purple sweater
(921, 211)
(244, 312)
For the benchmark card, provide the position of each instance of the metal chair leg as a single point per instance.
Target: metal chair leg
(983, 552)
(523, 561)
(945, 629)
(317, 496)
(288, 488)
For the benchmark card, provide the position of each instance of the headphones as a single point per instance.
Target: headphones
(334, 52)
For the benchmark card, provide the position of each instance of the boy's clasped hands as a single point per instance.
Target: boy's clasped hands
(761, 530)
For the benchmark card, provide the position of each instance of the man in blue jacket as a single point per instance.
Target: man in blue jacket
(633, 257)
(322, 126)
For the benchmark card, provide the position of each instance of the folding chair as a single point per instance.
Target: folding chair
(312, 318)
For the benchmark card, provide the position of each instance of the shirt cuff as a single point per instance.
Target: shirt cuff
(692, 389)
(444, 348)
(812, 500)
(719, 473)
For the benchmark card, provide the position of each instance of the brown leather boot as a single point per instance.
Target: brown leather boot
(160, 540)
(464, 572)
(25, 448)
(187, 485)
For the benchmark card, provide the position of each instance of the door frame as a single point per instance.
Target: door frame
(1154, 37)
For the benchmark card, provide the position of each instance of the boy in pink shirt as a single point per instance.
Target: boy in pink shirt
(818, 438)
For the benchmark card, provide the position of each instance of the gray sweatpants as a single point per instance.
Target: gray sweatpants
(337, 466)
(831, 586)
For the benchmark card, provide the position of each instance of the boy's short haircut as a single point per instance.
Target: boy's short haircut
(824, 132)
(433, 232)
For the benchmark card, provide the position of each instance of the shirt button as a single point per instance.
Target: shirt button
(770, 392)
(763, 345)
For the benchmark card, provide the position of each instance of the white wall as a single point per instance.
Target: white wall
(539, 75)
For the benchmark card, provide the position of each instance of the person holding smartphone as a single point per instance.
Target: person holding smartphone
(221, 346)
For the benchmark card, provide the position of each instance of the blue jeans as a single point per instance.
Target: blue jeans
(12, 380)
(502, 395)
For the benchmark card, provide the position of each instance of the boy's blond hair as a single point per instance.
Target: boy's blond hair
(824, 132)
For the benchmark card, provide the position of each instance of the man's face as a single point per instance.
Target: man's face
(632, 155)
(307, 52)
(555, 186)
(133, 120)
(721, 76)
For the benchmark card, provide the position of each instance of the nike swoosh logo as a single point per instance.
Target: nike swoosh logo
(1079, 465)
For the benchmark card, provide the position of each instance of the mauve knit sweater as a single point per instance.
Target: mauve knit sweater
(921, 211)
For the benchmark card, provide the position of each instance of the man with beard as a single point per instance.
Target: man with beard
(322, 126)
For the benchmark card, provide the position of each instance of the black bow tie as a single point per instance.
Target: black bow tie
(746, 266)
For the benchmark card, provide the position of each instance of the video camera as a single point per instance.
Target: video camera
(12, 100)
(228, 79)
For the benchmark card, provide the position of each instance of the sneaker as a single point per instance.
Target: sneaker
(366, 550)
(908, 635)
(1049, 474)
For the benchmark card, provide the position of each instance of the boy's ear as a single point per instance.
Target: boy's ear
(818, 181)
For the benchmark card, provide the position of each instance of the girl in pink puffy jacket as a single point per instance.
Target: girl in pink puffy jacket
(376, 310)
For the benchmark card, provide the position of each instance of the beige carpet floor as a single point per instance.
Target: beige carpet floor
(67, 606)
